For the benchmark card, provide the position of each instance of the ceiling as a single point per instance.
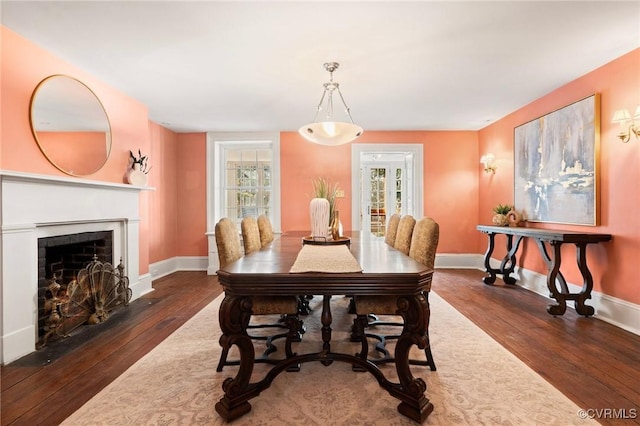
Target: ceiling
(258, 66)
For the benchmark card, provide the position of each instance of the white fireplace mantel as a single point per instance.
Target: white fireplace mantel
(34, 206)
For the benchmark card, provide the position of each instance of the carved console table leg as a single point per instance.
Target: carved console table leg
(234, 316)
(559, 278)
(587, 283)
(554, 272)
(509, 262)
(487, 260)
(415, 311)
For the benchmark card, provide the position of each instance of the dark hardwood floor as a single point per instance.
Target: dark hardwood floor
(594, 363)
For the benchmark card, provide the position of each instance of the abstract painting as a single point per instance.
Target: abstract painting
(556, 165)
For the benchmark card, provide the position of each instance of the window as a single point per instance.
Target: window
(243, 177)
(247, 183)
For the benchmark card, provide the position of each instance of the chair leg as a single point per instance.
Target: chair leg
(296, 329)
(387, 357)
(427, 353)
(358, 335)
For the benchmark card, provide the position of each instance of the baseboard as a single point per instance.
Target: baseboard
(178, 263)
(459, 261)
(143, 286)
(618, 312)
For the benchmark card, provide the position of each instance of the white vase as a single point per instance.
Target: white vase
(136, 176)
(319, 215)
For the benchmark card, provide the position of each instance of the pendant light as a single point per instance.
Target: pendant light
(329, 131)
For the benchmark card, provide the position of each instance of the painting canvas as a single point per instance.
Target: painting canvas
(556, 165)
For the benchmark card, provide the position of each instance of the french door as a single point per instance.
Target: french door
(383, 192)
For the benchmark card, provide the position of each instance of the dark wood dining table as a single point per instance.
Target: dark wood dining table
(385, 271)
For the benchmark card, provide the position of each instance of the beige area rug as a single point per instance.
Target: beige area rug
(478, 382)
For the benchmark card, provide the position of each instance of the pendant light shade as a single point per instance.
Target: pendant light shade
(328, 131)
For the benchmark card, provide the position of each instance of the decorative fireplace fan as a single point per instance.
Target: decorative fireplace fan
(98, 289)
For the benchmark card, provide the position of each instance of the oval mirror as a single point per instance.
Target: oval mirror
(70, 125)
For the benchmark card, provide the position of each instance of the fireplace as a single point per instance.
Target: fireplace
(60, 261)
(32, 211)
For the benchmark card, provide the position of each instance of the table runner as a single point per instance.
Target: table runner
(330, 259)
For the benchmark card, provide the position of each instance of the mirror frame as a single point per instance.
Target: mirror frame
(32, 123)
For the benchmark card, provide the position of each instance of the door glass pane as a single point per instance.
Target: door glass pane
(398, 191)
(378, 200)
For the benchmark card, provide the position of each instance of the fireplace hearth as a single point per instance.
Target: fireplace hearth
(77, 283)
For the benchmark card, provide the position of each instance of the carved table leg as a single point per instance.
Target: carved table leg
(554, 272)
(587, 283)
(554, 277)
(234, 316)
(509, 262)
(487, 260)
(360, 322)
(326, 319)
(415, 312)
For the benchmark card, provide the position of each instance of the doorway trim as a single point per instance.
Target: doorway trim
(357, 149)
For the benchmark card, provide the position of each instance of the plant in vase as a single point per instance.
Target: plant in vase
(500, 214)
(138, 169)
(139, 163)
(324, 189)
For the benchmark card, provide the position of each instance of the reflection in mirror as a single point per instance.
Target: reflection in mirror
(70, 125)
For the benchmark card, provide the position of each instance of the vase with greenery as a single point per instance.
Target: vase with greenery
(323, 188)
(500, 214)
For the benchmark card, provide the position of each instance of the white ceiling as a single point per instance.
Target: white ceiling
(257, 66)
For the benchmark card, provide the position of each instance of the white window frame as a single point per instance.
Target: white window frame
(215, 168)
(216, 143)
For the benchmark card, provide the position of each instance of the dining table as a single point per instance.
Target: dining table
(366, 266)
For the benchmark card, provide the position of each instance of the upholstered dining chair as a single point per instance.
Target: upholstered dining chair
(266, 230)
(392, 229)
(250, 234)
(422, 248)
(227, 242)
(230, 250)
(405, 231)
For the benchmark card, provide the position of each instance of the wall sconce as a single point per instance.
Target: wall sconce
(628, 124)
(489, 161)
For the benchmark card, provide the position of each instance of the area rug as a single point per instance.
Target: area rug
(477, 382)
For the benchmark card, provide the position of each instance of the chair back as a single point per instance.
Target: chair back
(266, 230)
(227, 241)
(392, 229)
(424, 241)
(403, 236)
(250, 234)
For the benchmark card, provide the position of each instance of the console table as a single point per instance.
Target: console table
(555, 280)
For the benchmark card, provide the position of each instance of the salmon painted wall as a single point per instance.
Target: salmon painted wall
(192, 196)
(614, 265)
(163, 202)
(24, 65)
(450, 180)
